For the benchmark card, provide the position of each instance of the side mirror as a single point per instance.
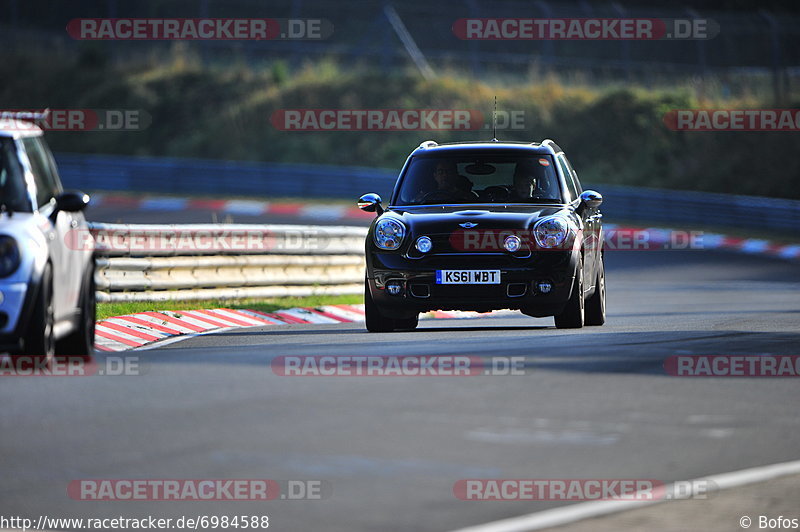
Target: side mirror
(370, 203)
(591, 199)
(72, 201)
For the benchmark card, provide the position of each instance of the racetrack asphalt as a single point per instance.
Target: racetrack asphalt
(593, 403)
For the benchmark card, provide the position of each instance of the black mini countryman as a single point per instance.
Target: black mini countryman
(484, 226)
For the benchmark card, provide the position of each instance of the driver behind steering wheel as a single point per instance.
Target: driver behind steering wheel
(450, 184)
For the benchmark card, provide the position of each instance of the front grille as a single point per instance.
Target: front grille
(446, 243)
(477, 261)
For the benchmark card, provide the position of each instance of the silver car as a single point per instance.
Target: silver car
(47, 293)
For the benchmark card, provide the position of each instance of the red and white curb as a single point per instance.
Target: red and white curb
(660, 238)
(121, 333)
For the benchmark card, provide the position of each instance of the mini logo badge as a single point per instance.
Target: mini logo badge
(468, 225)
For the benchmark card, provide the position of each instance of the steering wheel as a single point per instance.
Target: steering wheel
(441, 196)
(496, 193)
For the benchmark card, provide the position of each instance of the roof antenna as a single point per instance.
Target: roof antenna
(494, 120)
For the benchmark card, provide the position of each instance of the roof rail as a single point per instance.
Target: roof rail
(428, 144)
(28, 116)
(552, 144)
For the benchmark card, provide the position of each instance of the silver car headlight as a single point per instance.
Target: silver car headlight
(9, 256)
(389, 233)
(551, 232)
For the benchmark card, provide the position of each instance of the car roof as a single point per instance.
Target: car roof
(18, 124)
(12, 131)
(547, 146)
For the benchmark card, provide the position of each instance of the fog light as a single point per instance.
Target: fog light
(424, 244)
(394, 288)
(512, 243)
(544, 287)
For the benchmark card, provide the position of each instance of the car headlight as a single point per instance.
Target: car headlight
(551, 232)
(389, 233)
(9, 256)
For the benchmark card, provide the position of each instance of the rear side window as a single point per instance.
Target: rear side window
(568, 177)
(13, 189)
(43, 170)
(574, 174)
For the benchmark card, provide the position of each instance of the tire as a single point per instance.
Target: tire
(81, 342)
(595, 313)
(376, 322)
(573, 315)
(40, 342)
(408, 324)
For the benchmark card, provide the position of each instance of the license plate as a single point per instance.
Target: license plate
(467, 276)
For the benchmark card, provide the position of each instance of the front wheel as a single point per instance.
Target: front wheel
(40, 342)
(377, 322)
(81, 342)
(407, 324)
(573, 315)
(596, 305)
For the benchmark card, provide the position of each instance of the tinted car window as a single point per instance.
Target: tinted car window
(574, 174)
(482, 178)
(13, 190)
(46, 187)
(51, 165)
(571, 187)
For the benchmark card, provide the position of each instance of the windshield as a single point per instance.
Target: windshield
(482, 178)
(13, 192)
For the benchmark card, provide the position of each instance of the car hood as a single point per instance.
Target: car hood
(447, 219)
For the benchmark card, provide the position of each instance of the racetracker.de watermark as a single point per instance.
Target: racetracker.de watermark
(584, 29)
(733, 120)
(70, 366)
(397, 366)
(580, 489)
(76, 119)
(177, 241)
(226, 489)
(384, 120)
(613, 239)
(194, 29)
(733, 365)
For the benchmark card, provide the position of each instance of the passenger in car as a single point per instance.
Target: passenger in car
(531, 182)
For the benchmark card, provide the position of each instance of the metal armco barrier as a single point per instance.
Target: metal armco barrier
(190, 262)
(182, 176)
(225, 178)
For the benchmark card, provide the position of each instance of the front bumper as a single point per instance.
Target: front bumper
(15, 312)
(517, 289)
(12, 300)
